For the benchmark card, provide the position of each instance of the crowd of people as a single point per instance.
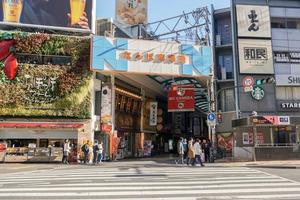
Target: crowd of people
(85, 149)
(193, 152)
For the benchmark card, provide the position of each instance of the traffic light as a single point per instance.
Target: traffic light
(267, 80)
(219, 117)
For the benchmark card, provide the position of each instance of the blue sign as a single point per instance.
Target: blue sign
(211, 117)
(128, 55)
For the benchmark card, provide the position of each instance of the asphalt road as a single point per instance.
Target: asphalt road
(145, 180)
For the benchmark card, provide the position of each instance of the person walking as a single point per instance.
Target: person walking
(66, 152)
(207, 146)
(95, 152)
(100, 154)
(198, 152)
(86, 150)
(185, 148)
(191, 153)
(180, 151)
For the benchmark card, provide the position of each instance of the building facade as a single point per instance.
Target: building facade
(265, 54)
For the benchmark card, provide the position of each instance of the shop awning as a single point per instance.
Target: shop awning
(41, 125)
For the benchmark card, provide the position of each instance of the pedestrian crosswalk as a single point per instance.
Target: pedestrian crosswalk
(152, 182)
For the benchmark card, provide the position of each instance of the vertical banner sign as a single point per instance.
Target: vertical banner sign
(131, 12)
(253, 21)
(181, 98)
(153, 113)
(106, 109)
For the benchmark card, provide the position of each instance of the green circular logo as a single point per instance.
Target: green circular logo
(257, 93)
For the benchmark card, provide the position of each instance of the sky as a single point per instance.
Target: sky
(161, 9)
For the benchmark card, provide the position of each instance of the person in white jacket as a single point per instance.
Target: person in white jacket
(198, 151)
(66, 152)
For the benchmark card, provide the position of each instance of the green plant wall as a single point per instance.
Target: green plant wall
(47, 90)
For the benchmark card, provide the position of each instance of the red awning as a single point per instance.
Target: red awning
(41, 125)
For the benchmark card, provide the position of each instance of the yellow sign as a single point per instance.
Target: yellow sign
(151, 57)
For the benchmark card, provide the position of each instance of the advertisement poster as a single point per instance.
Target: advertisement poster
(131, 12)
(181, 98)
(106, 109)
(56, 13)
(153, 113)
(253, 21)
(225, 141)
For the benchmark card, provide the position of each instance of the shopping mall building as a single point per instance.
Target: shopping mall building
(136, 96)
(257, 67)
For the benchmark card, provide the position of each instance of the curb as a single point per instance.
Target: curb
(273, 166)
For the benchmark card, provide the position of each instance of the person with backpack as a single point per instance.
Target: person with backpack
(85, 149)
(95, 152)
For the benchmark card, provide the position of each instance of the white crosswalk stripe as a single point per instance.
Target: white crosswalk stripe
(186, 183)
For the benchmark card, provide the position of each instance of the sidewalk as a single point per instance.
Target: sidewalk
(280, 164)
(286, 164)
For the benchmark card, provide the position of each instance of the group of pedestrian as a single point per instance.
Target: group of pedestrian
(193, 152)
(85, 148)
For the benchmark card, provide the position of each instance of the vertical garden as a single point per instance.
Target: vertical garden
(44, 75)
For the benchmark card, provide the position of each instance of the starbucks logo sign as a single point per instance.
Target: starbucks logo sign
(258, 93)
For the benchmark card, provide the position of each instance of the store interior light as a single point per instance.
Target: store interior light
(128, 93)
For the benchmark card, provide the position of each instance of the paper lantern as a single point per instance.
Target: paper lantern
(5, 48)
(10, 67)
(159, 127)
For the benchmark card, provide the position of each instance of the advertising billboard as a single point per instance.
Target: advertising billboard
(131, 12)
(253, 21)
(181, 98)
(156, 58)
(255, 56)
(76, 14)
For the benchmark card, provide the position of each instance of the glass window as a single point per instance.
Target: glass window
(278, 23)
(288, 93)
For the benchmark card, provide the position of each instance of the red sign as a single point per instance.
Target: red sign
(106, 128)
(181, 98)
(2, 147)
(248, 81)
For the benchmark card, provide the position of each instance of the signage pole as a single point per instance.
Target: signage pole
(254, 141)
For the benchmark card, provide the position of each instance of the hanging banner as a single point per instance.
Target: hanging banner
(181, 98)
(106, 109)
(131, 12)
(153, 113)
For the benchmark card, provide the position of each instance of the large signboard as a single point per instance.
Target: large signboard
(253, 21)
(76, 14)
(288, 80)
(287, 57)
(255, 56)
(131, 12)
(181, 98)
(150, 57)
(288, 105)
